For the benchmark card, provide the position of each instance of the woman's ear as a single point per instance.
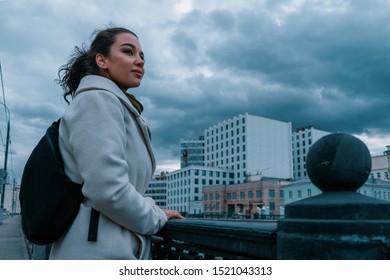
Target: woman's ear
(101, 61)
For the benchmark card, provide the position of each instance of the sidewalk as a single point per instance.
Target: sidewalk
(12, 243)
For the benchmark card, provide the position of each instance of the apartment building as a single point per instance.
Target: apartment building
(192, 152)
(157, 189)
(249, 145)
(184, 186)
(302, 140)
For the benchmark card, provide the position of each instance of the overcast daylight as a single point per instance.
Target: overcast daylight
(321, 63)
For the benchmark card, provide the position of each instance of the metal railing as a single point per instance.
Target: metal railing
(215, 239)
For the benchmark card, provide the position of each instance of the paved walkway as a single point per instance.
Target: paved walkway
(12, 243)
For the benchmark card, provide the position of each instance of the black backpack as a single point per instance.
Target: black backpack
(49, 200)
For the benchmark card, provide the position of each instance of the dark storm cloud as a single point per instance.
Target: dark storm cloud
(330, 68)
(321, 63)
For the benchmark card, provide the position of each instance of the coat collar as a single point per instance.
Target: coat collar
(95, 82)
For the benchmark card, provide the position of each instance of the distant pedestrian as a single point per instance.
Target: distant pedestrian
(258, 211)
(106, 146)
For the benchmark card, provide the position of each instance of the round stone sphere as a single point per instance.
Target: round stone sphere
(338, 162)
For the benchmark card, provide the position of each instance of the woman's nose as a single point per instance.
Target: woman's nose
(140, 62)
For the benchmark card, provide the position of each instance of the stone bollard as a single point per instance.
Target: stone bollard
(340, 223)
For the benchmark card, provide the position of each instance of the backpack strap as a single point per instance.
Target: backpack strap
(93, 225)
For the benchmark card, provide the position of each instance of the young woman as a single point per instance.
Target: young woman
(106, 146)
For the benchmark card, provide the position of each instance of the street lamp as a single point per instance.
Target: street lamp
(4, 173)
(261, 171)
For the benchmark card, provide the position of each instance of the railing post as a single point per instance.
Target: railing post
(340, 223)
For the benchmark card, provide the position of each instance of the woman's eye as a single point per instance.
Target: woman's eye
(128, 51)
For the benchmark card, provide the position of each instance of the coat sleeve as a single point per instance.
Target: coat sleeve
(97, 140)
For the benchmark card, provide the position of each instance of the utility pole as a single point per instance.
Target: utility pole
(3, 178)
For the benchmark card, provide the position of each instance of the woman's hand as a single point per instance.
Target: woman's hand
(172, 214)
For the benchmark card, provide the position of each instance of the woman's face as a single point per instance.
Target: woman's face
(125, 63)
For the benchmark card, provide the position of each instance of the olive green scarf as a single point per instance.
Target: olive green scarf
(137, 105)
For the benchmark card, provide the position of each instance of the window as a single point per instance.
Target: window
(250, 194)
(242, 195)
(271, 193)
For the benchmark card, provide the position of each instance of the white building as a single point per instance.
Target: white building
(304, 188)
(381, 166)
(302, 140)
(299, 189)
(249, 145)
(184, 186)
(157, 190)
(376, 188)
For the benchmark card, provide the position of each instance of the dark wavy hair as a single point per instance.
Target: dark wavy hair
(83, 61)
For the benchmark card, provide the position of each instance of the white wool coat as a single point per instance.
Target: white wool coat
(108, 150)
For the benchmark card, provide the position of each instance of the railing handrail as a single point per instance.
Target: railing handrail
(247, 240)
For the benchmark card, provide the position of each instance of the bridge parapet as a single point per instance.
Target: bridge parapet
(340, 223)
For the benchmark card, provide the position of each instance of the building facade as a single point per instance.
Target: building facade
(304, 188)
(299, 189)
(381, 166)
(302, 140)
(244, 198)
(157, 189)
(184, 186)
(249, 145)
(192, 152)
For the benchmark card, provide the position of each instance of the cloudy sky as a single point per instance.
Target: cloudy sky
(319, 62)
